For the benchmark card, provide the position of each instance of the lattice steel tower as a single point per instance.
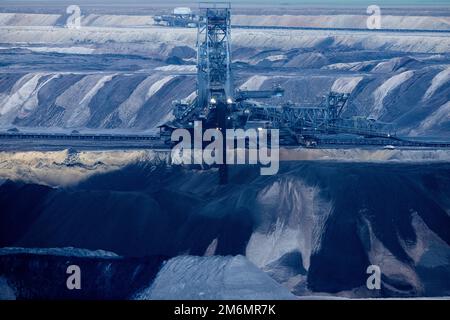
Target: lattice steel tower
(214, 55)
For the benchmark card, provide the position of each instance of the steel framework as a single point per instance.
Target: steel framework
(215, 91)
(214, 79)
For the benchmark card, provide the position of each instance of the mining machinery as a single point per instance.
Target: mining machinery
(218, 104)
(180, 17)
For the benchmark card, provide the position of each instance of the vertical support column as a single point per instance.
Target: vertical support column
(215, 87)
(221, 120)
